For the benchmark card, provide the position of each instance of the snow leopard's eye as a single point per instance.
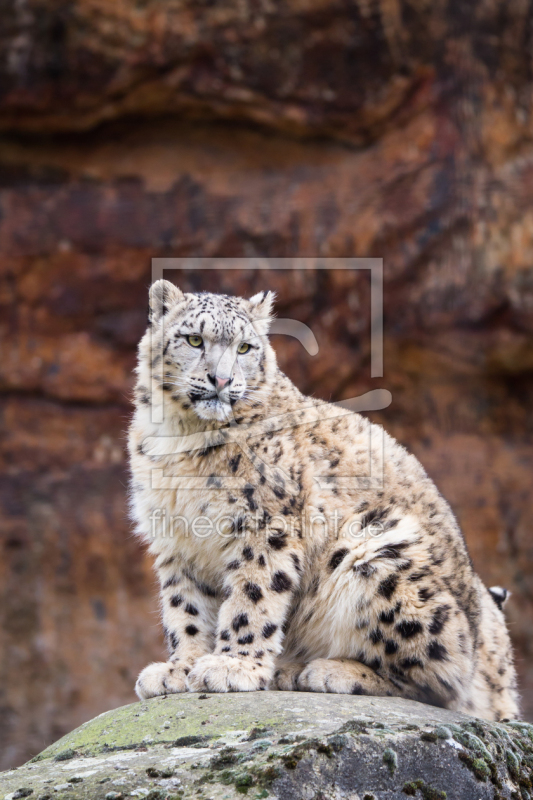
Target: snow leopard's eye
(195, 341)
(243, 348)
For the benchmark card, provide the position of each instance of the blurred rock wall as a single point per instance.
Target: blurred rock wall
(398, 129)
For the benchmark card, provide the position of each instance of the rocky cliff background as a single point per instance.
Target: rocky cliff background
(130, 129)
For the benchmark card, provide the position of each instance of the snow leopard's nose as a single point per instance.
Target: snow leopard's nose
(219, 383)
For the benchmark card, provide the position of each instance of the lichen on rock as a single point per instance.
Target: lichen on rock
(280, 745)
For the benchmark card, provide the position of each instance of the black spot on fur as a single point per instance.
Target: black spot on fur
(191, 630)
(277, 541)
(173, 581)
(248, 493)
(253, 592)
(174, 641)
(422, 573)
(176, 600)
(296, 561)
(388, 586)
(437, 651)
(405, 565)
(390, 647)
(238, 524)
(376, 636)
(259, 654)
(226, 650)
(425, 594)
(407, 663)
(365, 570)
(233, 565)
(437, 555)
(387, 617)
(240, 621)
(261, 560)
(376, 515)
(248, 639)
(358, 689)
(190, 609)
(268, 630)
(390, 524)
(263, 522)
(225, 635)
(206, 590)
(248, 553)
(440, 618)
(337, 557)
(393, 551)
(281, 582)
(408, 628)
(234, 462)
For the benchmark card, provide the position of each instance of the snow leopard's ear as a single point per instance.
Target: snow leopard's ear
(260, 309)
(163, 295)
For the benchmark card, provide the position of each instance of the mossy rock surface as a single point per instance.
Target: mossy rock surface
(297, 746)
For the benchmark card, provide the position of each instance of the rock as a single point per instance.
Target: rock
(281, 745)
(322, 67)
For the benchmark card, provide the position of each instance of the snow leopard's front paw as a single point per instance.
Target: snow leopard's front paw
(164, 677)
(221, 673)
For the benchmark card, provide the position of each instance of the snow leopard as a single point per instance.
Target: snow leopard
(283, 565)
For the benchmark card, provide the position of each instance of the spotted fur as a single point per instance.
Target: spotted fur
(330, 585)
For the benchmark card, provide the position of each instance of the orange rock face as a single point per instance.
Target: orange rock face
(393, 130)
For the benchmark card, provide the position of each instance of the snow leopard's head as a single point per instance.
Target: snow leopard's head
(214, 347)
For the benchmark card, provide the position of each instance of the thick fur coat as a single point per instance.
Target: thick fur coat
(297, 545)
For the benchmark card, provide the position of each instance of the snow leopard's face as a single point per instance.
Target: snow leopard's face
(214, 347)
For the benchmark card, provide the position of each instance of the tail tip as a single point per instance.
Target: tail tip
(499, 595)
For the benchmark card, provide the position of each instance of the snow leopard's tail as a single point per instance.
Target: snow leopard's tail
(499, 595)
